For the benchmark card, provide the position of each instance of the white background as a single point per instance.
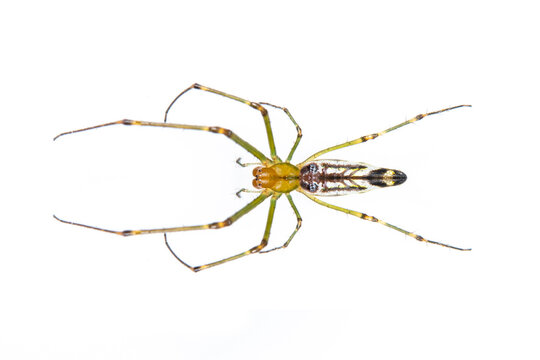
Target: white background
(345, 288)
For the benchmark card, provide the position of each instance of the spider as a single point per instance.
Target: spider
(274, 178)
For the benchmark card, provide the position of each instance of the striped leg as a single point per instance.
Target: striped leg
(216, 225)
(253, 250)
(252, 104)
(373, 136)
(213, 129)
(374, 219)
(298, 225)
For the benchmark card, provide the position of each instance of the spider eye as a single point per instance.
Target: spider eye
(313, 168)
(313, 187)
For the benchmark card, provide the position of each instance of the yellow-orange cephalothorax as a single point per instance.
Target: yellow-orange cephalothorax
(281, 177)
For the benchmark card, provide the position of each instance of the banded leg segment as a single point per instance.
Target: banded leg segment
(253, 250)
(216, 225)
(252, 104)
(298, 225)
(298, 129)
(213, 129)
(374, 219)
(375, 135)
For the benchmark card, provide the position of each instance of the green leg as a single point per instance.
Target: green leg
(298, 130)
(374, 219)
(298, 225)
(252, 104)
(216, 225)
(253, 250)
(373, 136)
(213, 129)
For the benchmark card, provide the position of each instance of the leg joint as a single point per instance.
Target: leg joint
(370, 137)
(259, 247)
(370, 218)
(220, 224)
(259, 107)
(220, 130)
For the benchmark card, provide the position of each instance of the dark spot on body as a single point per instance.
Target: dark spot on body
(309, 169)
(309, 186)
(377, 177)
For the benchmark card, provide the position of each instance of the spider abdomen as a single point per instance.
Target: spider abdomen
(338, 177)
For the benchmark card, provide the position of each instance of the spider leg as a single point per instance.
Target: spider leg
(216, 225)
(242, 164)
(298, 129)
(213, 129)
(374, 219)
(253, 250)
(243, 190)
(373, 136)
(252, 104)
(298, 225)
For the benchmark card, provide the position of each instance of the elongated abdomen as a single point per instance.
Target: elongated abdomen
(338, 177)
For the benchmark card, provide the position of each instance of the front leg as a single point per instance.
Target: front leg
(298, 130)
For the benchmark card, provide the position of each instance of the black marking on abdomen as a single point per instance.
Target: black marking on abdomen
(380, 178)
(343, 166)
(310, 186)
(322, 177)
